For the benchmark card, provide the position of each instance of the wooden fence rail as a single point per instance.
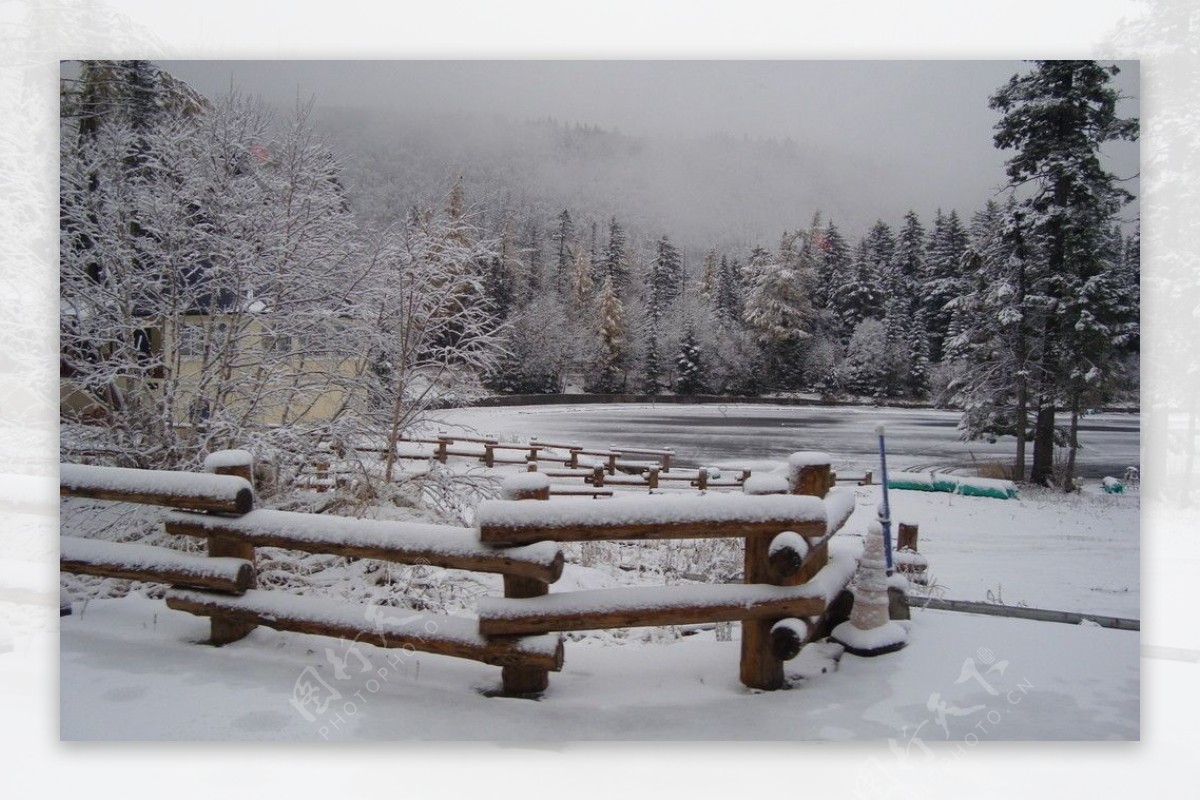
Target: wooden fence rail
(613, 460)
(793, 587)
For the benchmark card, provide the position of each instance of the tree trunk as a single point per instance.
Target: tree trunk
(1022, 425)
(1042, 471)
(1068, 481)
(1022, 354)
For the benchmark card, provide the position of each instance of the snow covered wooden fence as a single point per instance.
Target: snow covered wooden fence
(221, 586)
(640, 466)
(790, 583)
(794, 582)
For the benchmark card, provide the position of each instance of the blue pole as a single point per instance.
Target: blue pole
(885, 510)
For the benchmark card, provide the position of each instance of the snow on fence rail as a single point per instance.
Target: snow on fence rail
(663, 606)
(421, 631)
(793, 584)
(650, 517)
(386, 540)
(202, 491)
(490, 451)
(138, 562)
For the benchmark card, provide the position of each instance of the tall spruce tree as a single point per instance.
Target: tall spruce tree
(615, 263)
(858, 296)
(729, 290)
(943, 279)
(563, 235)
(708, 278)
(833, 266)
(690, 367)
(778, 308)
(1056, 118)
(666, 277)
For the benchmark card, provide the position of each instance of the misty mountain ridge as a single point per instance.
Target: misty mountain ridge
(717, 190)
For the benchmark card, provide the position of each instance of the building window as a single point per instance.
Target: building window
(191, 339)
(277, 343)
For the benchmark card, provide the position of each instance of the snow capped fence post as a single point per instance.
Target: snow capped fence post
(761, 666)
(230, 463)
(808, 473)
(529, 485)
(525, 680)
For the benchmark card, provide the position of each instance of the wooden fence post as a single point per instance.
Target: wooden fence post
(230, 463)
(761, 669)
(761, 666)
(526, 680)
(808, 473)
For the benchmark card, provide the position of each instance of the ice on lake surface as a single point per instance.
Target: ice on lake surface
(731, 433)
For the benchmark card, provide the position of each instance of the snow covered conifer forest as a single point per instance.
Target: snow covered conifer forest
(237, 275)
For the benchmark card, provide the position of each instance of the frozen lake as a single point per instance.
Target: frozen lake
(736, 433)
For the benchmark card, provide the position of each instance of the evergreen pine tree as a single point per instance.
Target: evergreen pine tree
(859, 296)
(833, 267)
(779, 311)
(616, 264)
(689, 366)
(1056, 118)
(729, 292)
(667, 277)
(708, 278)
(651, 374)
(564, 234)
(943, 278)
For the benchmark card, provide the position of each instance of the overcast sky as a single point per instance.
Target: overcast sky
(924, 124)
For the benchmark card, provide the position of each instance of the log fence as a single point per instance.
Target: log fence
(794, 587)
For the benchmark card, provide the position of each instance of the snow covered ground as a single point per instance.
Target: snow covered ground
(131, 669)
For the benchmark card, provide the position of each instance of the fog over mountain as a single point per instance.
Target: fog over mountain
(713, 153)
